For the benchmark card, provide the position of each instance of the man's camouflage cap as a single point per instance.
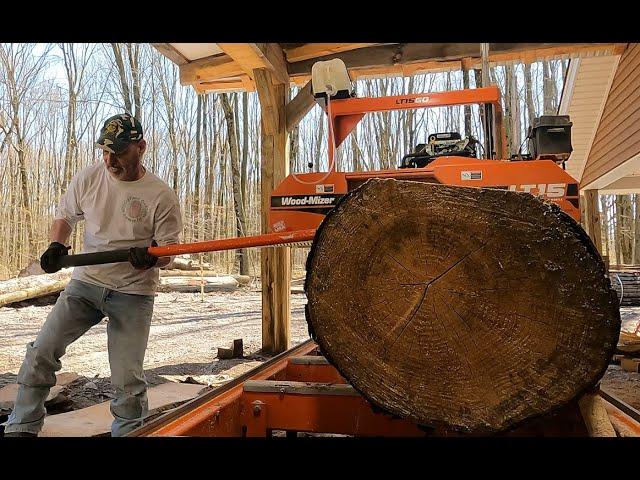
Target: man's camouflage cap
(118, 132)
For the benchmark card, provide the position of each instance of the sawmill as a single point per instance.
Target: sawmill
(461, 292)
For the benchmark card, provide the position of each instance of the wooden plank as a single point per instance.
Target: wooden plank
(551, 52)
(312, 50)
(595, 416)
(630, 364)
(275, 262)
(404, 70)
(219, 86)
(390, 68)
(309, 360)
(300, 388)
(171, 53)
(252, 56)
(8, 395)
(394, 54)
(97, 419)
(299, 106)
(623, 424)
(210, 68)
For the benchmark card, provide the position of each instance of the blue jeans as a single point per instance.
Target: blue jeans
(81, 306)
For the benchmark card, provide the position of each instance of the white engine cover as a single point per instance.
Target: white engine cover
(330, 77)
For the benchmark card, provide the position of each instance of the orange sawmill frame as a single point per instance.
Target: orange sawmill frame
(299, 391)
(345, 114)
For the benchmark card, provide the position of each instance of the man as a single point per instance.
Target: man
(123, 206)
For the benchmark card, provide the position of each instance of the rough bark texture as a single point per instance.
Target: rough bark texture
(471, 308)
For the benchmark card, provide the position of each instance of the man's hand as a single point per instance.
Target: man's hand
(50, 259)
(140, 259)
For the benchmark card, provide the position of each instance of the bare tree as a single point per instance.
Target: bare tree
(238, 201)
(21, 72)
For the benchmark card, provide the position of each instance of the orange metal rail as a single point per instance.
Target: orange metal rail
(233, 410)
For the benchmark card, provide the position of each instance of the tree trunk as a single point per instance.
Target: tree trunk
(241, 226)
(134, 63)
(549, 89)
(626, 229)
(467, 108)
(245, 148)
(514, 100)
(72, 141)
(124, 84)
(196, 193)
(604, 224)
(477, 73)
(531, 110)
(471, 320)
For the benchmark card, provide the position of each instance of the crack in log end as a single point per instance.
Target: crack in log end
(431, 282)
(411, 315)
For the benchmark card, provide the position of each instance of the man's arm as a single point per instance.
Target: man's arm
(168, 227)
(60, 231)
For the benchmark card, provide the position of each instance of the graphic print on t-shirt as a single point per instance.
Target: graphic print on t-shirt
(134, 209)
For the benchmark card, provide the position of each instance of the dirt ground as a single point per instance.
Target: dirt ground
(185, 333)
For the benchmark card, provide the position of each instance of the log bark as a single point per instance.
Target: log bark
(180, 263)
(470, 308)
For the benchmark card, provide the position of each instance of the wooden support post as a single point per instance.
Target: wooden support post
(591, 219)
(299, 106)
(275, 262)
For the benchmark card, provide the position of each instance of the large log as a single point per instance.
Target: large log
(464, 308)
(24, 288)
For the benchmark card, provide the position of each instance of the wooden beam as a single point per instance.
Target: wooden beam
(171, 53)
(406, 54)
(534, 55)
(276, 261)
(299, 106)
(210, 68)
(415, 68)
(299, 388)
(591, 219)
(242, 83)
(277, 62)
(270, 118)
(404, 70)
(312, 50)
(251, 56)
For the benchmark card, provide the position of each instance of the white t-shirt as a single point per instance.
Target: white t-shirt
(120, 215)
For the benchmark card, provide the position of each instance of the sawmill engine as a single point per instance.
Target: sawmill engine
(439, 145)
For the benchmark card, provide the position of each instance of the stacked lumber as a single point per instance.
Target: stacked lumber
(626, 283)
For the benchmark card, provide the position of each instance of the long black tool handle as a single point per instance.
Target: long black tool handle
(97, 258)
